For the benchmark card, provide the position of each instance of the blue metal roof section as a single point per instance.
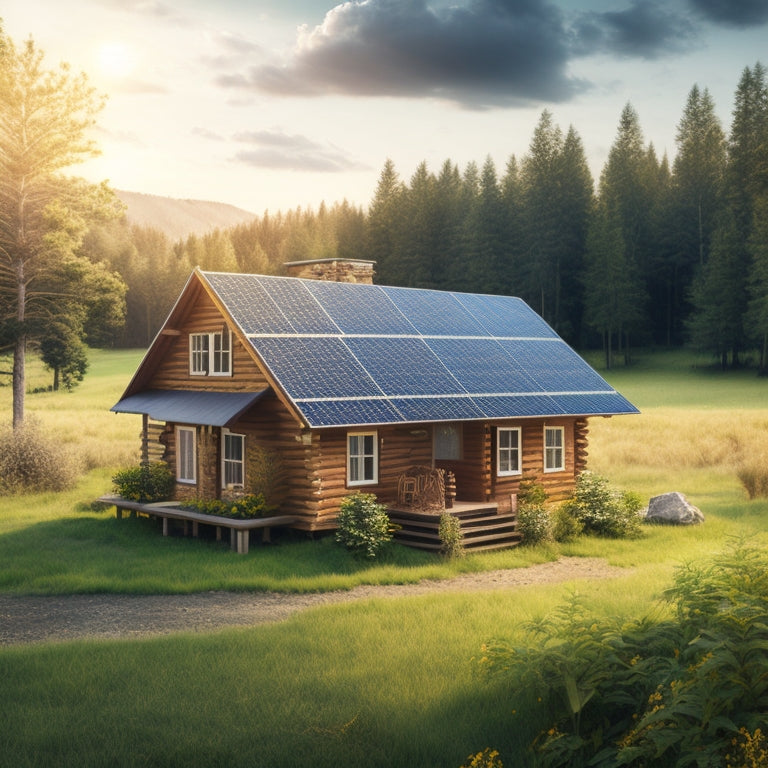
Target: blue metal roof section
(358, 354)
(217, 409)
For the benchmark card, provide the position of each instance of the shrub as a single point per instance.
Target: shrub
(246, 507)
(688, 690)
(145, 483)
(565, 526)
(754, 478)
(449, 531)
(363, 524)
(602, 510)
(533, 523)
(532, 516)
(31, 462)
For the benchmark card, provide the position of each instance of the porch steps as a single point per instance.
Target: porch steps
(482, 528)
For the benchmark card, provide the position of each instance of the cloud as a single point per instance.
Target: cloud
(290, 152)
(733, 13)
(231, 50)
(480, 54)
(645, 30)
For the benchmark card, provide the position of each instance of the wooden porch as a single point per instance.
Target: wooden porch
(483, 526)
(170, 512)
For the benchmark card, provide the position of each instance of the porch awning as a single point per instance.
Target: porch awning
(216, 409)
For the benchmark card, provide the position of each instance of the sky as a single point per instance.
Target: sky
(274, 104)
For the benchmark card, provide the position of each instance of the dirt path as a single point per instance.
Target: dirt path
(30, 619)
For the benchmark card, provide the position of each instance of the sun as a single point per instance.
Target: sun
(116, 59)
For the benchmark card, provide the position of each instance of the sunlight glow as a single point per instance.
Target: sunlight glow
(116, 59)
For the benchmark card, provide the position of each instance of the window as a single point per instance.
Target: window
(448, 442)
(232, 459)
(210, 354)
(554, 455)
(186, 455)
(508, 451)
(362, 463)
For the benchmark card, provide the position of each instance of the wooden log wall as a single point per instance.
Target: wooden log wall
(558, 485)
(173, 371)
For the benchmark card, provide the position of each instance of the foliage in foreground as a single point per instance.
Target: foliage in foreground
(689, 690)
(145, 483)
(363, 524)
(30, 462)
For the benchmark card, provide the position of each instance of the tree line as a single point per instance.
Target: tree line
(655, 253)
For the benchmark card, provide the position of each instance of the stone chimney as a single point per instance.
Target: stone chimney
(333, 270)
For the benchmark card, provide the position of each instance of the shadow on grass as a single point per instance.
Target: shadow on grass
(98, 553)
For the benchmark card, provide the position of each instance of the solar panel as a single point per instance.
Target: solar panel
(554, 366)
(505, 316)
(403, 366)
(434, 313)
(344, 413)
(482, 366)
(360, 308)
(350, 354)
(250, 303)
(436, 408)
(315, 367)
(298, 305)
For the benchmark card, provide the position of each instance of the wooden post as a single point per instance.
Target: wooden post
(145, 439)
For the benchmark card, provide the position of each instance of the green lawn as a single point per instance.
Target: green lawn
(375, 683)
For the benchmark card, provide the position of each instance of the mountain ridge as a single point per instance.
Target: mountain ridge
(179, 218)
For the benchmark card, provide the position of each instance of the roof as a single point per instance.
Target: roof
(347, 354)
(217, 409)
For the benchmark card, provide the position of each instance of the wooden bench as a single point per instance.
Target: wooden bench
(239, 529)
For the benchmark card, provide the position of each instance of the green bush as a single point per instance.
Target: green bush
(363, 524)
(565, 526)
(449, 531)
(30, 462)
(532, 516)
(533, 523)
(673, 692)
(602, 510)
(145, 483)
(244, 508)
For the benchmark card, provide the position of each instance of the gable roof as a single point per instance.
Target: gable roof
(349, 354)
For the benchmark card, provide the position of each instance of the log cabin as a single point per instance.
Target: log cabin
(312, 386)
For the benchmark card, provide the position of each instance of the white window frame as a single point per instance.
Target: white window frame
(509, 451)
(554, 452)
(184, 461)
(210, 354)
(359, 458)
(227, 461)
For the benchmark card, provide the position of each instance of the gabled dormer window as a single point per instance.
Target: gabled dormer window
(210, 354)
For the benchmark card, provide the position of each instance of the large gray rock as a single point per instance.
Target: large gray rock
(674, 509)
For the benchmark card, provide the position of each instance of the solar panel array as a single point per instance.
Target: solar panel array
(357, 354)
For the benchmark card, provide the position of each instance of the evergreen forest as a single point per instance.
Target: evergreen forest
(656, 252)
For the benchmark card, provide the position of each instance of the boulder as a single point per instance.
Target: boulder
(674, 509)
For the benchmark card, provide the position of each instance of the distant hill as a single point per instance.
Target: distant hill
(180, 218)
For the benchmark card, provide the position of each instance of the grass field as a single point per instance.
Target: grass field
(375, 683)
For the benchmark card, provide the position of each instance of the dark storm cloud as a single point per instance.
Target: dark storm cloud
(733, 13)
(483, 53)
(284, 151)
(645, 29)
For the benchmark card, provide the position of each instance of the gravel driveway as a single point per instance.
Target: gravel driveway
(31, 619)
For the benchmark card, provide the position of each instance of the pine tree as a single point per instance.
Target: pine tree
(44, 119)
